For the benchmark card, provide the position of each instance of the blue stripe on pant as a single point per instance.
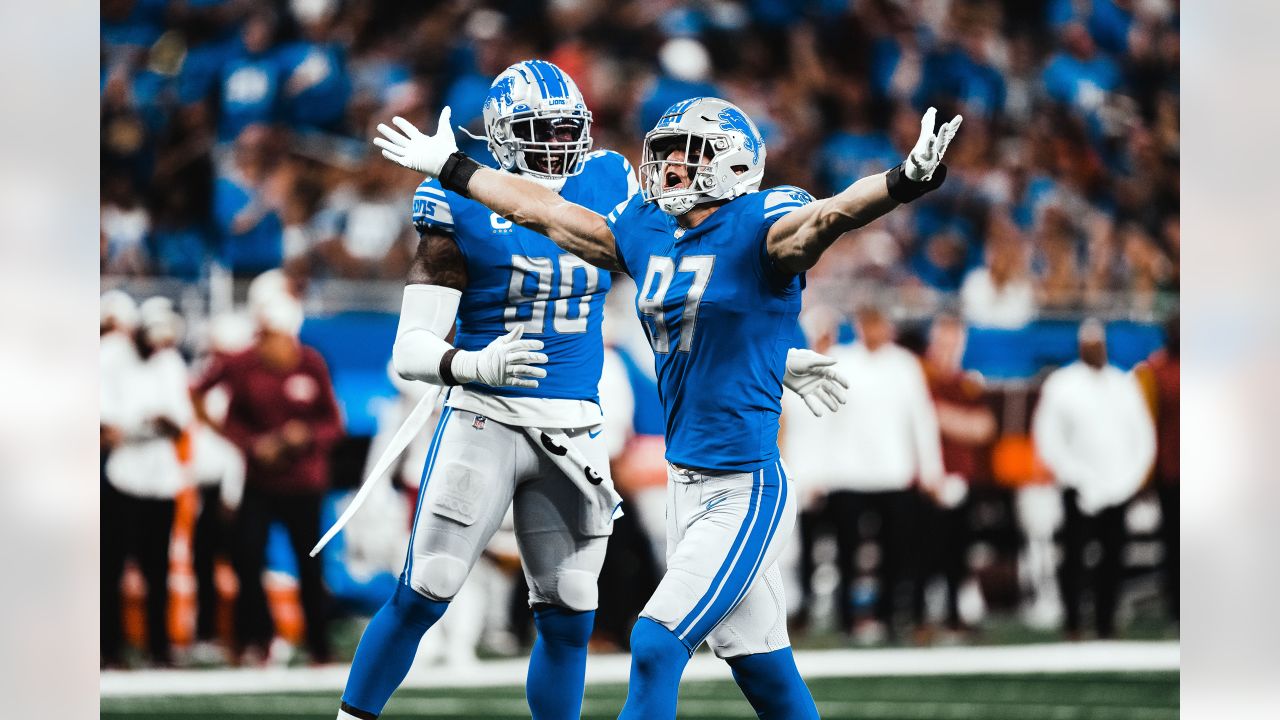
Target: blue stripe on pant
(769, 493)
(422, 489)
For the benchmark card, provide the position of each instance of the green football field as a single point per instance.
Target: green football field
(1095, 696)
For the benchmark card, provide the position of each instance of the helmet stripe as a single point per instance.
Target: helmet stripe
(537, 74)
(547, 72)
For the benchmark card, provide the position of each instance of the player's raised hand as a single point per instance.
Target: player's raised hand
(507, 360)
(811, 376)
(410, 148)
(926, 156)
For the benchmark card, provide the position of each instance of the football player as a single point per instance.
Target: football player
(520, 425)
(719, 269)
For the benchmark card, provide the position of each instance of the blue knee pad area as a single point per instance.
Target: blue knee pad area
(658, 659)
(387, 649)
(773, 686)
(558, 664)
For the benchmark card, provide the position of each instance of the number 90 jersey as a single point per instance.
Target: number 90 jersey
(720, 318)
(517, 277)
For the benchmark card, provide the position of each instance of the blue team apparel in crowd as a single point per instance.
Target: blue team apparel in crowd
(720, 318)
(516, 276)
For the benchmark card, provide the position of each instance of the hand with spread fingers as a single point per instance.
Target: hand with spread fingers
(412, 149)
(926, 156)
(811, 376)
(507, 360)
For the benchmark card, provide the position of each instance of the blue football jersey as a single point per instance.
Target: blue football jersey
(720, 318)
(517, 277)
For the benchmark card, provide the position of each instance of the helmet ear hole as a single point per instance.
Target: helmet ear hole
(739, 169)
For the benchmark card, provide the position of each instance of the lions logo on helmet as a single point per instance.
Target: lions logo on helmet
(537, 123)
(723, 155)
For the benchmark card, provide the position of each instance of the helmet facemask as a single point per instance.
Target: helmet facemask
(547, 147)
(660, 174)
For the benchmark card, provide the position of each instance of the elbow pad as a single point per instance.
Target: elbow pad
(427, 315)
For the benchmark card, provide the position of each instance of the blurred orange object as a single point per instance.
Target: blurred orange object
(1014, 462)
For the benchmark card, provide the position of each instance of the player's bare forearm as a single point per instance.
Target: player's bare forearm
(797, 240)
(438, 261)
(574, 228)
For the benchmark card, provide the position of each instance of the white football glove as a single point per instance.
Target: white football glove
(810, 375)
(423, 153)
(508, 360)
(926, 156)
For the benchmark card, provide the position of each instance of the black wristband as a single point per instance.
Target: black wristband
(456, 173)
(904, 189)
(446, 367)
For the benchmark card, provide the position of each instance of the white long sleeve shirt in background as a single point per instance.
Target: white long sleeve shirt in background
(887, 434)
(1093, 430)
(145, 463)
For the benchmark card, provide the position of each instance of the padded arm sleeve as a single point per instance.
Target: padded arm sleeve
(426, 317)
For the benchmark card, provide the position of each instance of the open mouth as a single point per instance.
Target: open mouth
(672, 181)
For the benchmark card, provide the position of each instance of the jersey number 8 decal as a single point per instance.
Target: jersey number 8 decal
(652, 301)
(539, 272)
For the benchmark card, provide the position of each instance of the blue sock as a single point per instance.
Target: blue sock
(773, 686)
(387, 649)
(558, 665)
(657, 662)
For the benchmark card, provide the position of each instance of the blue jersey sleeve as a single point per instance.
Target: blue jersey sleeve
(777, 203)
(431, 209)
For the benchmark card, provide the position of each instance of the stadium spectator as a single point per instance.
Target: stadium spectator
(144, 416)
(364, 229)
(967, 427)
(250, 79)
(685, 68)
(888, 433)
(999, 294)
(247, 204)
(125, 223)
(218, 470)
(283, 416)
(1094, 432)
(316, 84)
(1160, 379)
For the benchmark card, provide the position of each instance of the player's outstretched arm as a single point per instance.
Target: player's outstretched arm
(797, 240)
(574, 228)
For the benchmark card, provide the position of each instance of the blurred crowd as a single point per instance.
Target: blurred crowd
(236, 131)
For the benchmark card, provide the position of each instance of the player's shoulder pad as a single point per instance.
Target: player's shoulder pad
(431, 207)
(610, 167)
(606, 159)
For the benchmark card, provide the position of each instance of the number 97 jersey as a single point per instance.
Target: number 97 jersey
(517, 277)
(720, 318)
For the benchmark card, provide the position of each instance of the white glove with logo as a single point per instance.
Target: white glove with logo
(810, 375)
(423, 153)
(507, 360)
(926, 156)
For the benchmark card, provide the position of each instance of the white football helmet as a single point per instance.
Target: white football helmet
(536, 123)
(723, 154)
